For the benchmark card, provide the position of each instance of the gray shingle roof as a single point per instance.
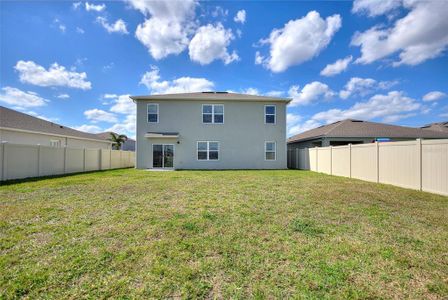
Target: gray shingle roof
(441, 126)
(365, 129)
(13, 119)
(218, 96)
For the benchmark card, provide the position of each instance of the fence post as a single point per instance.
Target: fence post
(110, 159)
(331, 160)
(350, 160)
(38, 159)
(3, 145)
(317, 159)
(65, 159)
(101, 159)
(84, 161)
(377, 145)
(420, 169)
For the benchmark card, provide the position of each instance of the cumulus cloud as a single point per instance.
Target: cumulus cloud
(153, 82)
(127, 126)
(210, 43)
(434, 96)
(63, 96)
(122, 104)
(363, 86)
(19, 98)
(299, 127)
(420, 35)
(97, 115)
(299, 41)
(168, 26)
(337, 67)
(56, 75)
(88, 128)
(118, 27)
(94, 7)
(374, 8)
(240, 16)
(311, 92)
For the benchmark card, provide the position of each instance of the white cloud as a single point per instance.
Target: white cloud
(167, 30)
(88, 128)
(14, 96)
(311, 92)
(80, 30)
(56, 75)
(95, 7)
(63, 96)
(382, 106)
(123, 105)
(210, 43)
(302, 127)
(119, 26)
(152, 81)
(251, 91)
(97, 115)
(434, 96)
(76, 5)
(420, 35)
(363, 86)
(337, 67)
(219, 11)
(374, 8)
(110, 96)
(274, 93)
(259, 59)
(240, 16)
(127, 126)
(300, 40)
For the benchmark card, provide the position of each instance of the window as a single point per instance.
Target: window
(55, 143)
(208, 150)
(269, 150)
(213, 113)
(269, 114)
(153, 113)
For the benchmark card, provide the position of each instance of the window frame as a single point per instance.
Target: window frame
(55, 143)
(266, 150)
(147, 113)
(208, 150)
(213, 113)
(274, 114)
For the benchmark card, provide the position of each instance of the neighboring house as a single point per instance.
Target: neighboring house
(20, 128)
(440, 126)
(129, 145)
(358, 132)
(211, 130)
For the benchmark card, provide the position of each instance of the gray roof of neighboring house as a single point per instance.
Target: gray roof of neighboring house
(129, 145)
(217, 96)
(13, 119)
(364, 129)
(440, 126)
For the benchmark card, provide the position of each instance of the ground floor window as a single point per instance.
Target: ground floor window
(269, 150)
(208, 150)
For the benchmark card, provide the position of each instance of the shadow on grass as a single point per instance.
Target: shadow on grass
(33, 179)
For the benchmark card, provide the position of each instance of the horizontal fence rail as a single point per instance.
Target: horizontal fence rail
(419, 164)
(22, 161)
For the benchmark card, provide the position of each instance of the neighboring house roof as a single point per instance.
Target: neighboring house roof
(441, 126)
(217, 96)
(128, 145)
(363, 129)
(11, 119)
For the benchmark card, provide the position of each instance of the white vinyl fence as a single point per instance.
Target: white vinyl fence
(22, 161)
(420, 164)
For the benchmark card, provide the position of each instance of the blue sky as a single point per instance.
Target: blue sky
(75, 62)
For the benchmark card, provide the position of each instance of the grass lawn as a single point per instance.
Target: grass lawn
(220, 234)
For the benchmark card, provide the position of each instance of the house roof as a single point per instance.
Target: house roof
(213, 96)
(441, 126)
(16, 120)
(364, 129)
(106, 136)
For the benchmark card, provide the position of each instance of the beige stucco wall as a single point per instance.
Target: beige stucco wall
(28, 138)
(242, 136)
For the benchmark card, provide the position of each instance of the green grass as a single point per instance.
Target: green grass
(220, 234)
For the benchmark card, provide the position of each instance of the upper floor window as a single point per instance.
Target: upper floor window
(208, 150)
(269, 114)
(153, 113)
(213, 113)
(55, 143)
(270, 149)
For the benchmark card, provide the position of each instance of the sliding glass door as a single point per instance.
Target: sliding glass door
(162, 156)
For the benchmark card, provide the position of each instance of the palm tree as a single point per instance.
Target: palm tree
(118, 140)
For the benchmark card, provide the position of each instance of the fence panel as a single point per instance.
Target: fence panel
(74, 160)
(313, 159)
(324, 160)
(115, 161)
(51, 161)
(92, 160)
(364, 162)
(22, 161)
(304, 159)
(105, 159)
(435, 166)
(399, 164)
(340, 161)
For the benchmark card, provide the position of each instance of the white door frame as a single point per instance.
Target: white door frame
(163, 155)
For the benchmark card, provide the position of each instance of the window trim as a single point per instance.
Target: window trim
(147, 113)
(208, 150)
(213, 113)
(266, 150)
(274, 114)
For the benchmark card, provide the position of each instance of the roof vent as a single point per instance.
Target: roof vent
(211, 92)
(357, 121)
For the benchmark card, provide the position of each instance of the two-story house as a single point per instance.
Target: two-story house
(211, 130)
